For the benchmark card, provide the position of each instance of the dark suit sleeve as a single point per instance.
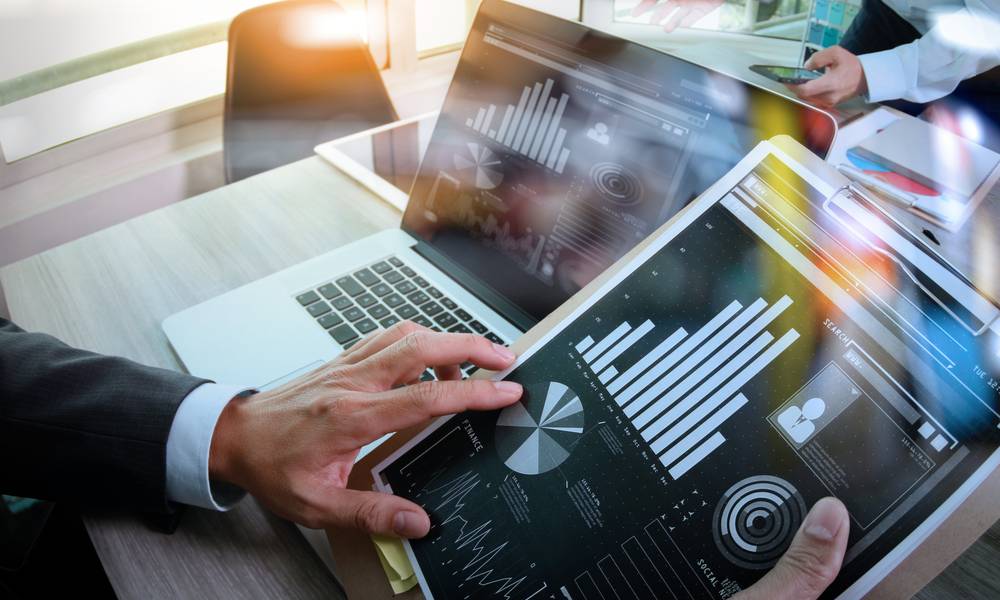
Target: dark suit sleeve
(81, 427)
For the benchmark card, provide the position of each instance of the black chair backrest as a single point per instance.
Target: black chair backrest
(297, 76)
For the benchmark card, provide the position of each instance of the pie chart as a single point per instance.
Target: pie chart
(538, 433)
(480, 166)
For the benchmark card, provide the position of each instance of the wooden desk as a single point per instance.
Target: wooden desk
(109, 292)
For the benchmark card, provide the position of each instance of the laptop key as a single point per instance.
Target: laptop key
(393, 277)
(459, 329)
(342, 303)
(445, 320)
(393, 300)
(418, 298)
(494, 338)
(395, 262)
(330, 320)
(366, 326)
(365, 300)
(434, 292)
(431, 308)
(353, 314)
(366, 277)
(478, 327)
(408, 272)
(422, 321)
(308, 298)
(449, 303)
(350, 285)
(330, 291)
(388, 322)
(381, 267)
(405, 288)
(421, 282)
(318, 309)
(343, 334)
(379, 311)
(462, 315)
(427, 376)
(381, 289)
(407, 311)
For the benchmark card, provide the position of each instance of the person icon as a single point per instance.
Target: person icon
(800, 423)
(599, 133)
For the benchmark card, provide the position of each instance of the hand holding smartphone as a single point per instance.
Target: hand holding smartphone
(786, 75)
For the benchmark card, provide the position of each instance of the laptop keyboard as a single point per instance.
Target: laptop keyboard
(381, 295)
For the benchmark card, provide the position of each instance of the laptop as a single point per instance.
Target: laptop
(558, 148)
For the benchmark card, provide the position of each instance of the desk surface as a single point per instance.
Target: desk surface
(109, 292)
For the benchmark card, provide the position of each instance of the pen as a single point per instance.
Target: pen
(943, 208)
(890, 192)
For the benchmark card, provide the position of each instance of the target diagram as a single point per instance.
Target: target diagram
(480, 166)
(537, 436)
(756, 520)
(617, 184)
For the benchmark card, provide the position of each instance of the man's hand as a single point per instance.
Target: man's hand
(812, 561)
(293, 448)
(843, 80)
(681, 13)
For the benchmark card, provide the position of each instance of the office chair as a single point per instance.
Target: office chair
(297, 76)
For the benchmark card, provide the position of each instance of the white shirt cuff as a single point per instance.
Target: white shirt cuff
(188, 447)
(885, 75)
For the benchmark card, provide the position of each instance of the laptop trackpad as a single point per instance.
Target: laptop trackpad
(291, 376)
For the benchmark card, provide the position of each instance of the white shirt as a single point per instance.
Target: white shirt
(188, 446)
(959, 40)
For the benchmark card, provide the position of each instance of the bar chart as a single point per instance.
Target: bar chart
(532, 128)
(680, 393)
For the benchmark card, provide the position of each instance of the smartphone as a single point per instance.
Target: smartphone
(792, 75)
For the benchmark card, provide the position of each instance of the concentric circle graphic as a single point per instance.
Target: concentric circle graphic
(617, 184)
(756, 520)
(538, 433)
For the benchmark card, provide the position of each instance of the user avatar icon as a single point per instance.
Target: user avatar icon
(800, 423)
(599, 133)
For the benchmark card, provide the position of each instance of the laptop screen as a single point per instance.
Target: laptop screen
(559, 148)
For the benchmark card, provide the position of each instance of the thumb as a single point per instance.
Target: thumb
(823, 58)
(812, 561)
(376, 512)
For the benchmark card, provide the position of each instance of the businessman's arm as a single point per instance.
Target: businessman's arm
(84, 427)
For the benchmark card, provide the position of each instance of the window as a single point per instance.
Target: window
(774, 18)
(72, 69)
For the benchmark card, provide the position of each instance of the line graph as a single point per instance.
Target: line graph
(480, 558)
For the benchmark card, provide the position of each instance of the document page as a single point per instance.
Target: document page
(780, 342)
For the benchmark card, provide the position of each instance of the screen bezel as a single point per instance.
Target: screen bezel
(500, 10)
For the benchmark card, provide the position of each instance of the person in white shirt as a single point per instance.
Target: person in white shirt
(913, 50)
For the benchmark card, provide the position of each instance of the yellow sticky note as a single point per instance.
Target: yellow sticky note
(395, 563)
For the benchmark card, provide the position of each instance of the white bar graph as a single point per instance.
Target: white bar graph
(626, 343)
(679, 394)
(704, 430)
(532, 127)
(522, 128)
(507, 116)
(654, 355)
(683, 350)
(489, 119)
(645, 405)
(518, 113)
(699, 454)
(606, 343)
(699, 395)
